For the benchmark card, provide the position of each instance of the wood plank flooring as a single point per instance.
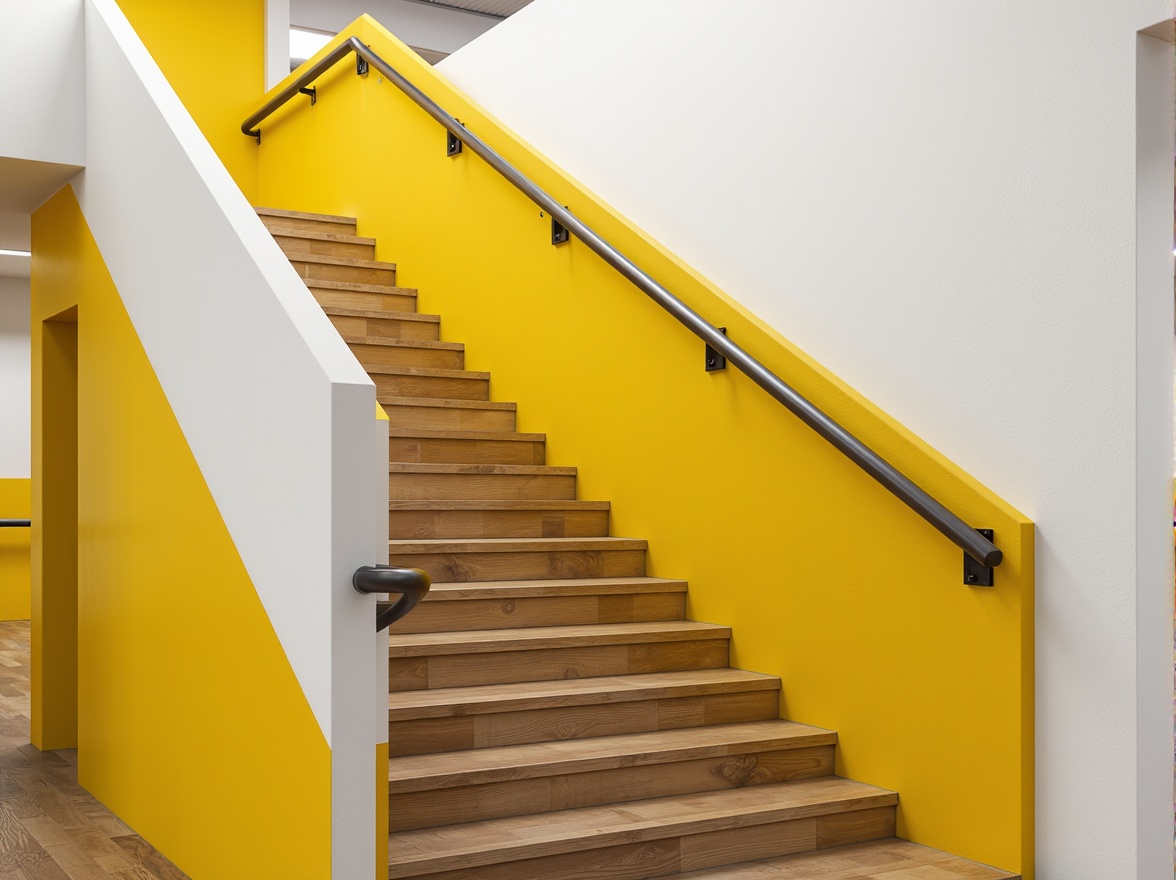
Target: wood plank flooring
(50, 827)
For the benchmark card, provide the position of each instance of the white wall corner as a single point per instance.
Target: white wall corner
(277, 42)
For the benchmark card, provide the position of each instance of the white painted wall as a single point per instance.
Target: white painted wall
(15, 378)
(421, 25)
(44, 93)
(255, 413)
(938, 202)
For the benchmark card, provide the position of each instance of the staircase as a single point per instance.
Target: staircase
(553, 714)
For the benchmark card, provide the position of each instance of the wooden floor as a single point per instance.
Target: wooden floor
(50, 828)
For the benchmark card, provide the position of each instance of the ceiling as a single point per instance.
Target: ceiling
(500, 8)
(24, 185)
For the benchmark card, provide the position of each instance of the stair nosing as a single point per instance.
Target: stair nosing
(313, 235)
(302, 215)
(428, 372)
(443, 434)
(511, 545)
(447, 403)
(475, 590)
(548, 638)
(598, 691)
(480, 470)
(359, 287)
(393, 342)
(352, 262)
(380, 315)
(496, 504)
(511, 763)
(585, 828)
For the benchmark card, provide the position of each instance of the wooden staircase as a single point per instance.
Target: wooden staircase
(553, 714)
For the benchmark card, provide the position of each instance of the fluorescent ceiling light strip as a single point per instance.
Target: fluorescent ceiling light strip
(4, 252)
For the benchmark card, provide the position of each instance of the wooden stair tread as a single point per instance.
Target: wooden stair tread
(445, 434)
(302, 215)
(495, 504)
(358, 287)
(431, 372)
(356, 262)
(383, 315)
(890, 859)
(447, 402)
(453, 847)
(517, 696)
(484, 641)
(537, 470)
(506, 763)
(342, 238)
(514, 545)
(393, 342)
(539, 589)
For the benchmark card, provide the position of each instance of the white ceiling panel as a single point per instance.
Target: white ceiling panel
(500, 8)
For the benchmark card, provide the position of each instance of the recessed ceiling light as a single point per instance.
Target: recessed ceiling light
(5, 252)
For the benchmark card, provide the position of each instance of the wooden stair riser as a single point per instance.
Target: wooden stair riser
(294, 246)
(444, 450)
(370, 354)
(409, 416)
(517, 797)
(313, 270)
(391, 328)
(552, 664)
(474, 386)
(456, 733)
(395, 299)
(480, 614)
(309, 223)
(525, 565)
(426, 524)
(423, 487)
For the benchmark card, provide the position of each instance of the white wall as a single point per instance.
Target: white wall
(938, 202)
(15, 378)
(421, 25)
(44, 95)
(253, 414)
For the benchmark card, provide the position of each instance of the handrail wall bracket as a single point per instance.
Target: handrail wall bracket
(972, 541)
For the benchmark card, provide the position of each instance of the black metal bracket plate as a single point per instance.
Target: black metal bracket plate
(977, 574)
(452, 144)
(361, 65)
(313, 92)
(559, 232)
(714, 360)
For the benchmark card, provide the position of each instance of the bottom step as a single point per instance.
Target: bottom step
(651, 838)
(878, 860)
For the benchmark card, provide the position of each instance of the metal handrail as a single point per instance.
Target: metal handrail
(411, 583)
(967, 538)
(15, 523)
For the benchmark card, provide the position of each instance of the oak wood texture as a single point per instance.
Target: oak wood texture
(877, 860)
(445, 414)
(381, 322)
(277, 218)
(50, 827)
(384, 351)
(449, 608)
(553, 713)
(432, 851)
(424, 383)
(295, 242)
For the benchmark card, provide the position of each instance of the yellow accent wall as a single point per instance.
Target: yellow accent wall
(15, 503)
(213, 54)
(191, 725)
(828, 580)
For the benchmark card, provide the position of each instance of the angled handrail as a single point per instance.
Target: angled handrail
(15, 523)
(974, 544)
(411, 583)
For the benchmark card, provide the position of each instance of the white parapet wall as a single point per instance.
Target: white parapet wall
(965, 212)
(278, 414)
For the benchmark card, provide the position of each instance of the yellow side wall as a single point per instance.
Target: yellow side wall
(827, 580)
(16, 500)
(191, 724)
(212, 53)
